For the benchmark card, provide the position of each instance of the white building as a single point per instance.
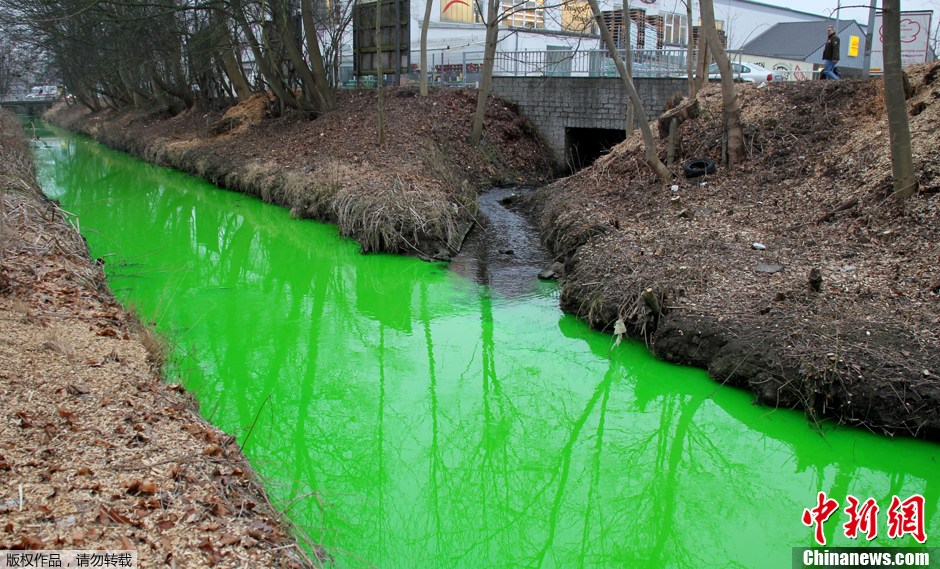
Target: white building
(455, 23)
(456, 32)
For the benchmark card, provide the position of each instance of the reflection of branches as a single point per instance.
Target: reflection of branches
(436, 462)
(698, 435)
(565, 461)
(595, 471)
(670, 459)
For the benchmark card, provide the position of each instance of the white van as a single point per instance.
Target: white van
(43, 92)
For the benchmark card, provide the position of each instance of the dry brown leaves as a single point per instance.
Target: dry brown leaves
(814, 192)
(95, 450)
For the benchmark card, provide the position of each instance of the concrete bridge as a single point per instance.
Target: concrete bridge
(579, 118)
(32, 107)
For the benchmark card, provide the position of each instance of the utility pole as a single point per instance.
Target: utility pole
(869, 37)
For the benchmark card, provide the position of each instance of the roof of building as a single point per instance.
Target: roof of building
(793, 40)
(780, 8)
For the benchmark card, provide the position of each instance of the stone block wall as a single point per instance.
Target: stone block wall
(553, 104)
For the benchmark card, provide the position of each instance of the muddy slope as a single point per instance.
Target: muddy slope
(795, 274)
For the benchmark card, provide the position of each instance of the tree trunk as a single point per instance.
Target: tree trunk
(266, 67)
(729, 95)
(424, 47)
(628, 54)
(317, 66)
(233, 70)
(902, 162)
(702, 61)
(378, 71)
(486, 77)
(689, 44)
(164, 93)
(652, 159)
(311, 101)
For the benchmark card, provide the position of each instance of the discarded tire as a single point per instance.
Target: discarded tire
(698, 167)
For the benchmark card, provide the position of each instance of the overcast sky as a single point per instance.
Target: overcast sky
(827, 7)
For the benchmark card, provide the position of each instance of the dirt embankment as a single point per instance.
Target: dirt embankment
(96, 451)
(415, 194)
(794, 274)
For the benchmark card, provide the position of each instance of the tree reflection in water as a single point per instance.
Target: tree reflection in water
(405, 416)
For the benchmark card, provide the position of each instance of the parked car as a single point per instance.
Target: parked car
(748, 72)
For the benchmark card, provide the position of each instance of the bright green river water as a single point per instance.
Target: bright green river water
(409, 418)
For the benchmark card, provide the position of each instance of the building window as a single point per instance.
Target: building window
(675, 29)
(577, 17)
(466, 11)
(524, 14)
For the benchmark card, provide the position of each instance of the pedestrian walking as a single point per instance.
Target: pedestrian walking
(830, 54)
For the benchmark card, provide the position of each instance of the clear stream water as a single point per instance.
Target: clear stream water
(408, 417)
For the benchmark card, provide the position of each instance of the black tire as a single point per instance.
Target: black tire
(699, 167)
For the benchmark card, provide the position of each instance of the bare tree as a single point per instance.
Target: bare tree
(267, 57)
(690, 43)
(332, 23)
(321, 84)
(493, 14)
(378, 71)
(628, 55)
(902, 161)
(171, 54)
(12, 67)
(316, 95)
(225, 50)
(424, 47)
(652, 158)
(491, 21)
(729, 96)
(702, 61)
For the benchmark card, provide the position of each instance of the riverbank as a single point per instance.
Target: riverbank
(415, 194)
(96, 450)
(793, 275)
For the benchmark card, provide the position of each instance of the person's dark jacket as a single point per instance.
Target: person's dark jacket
(831, 51)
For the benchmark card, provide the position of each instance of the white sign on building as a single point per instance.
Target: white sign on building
(915, 40)
(647, 4)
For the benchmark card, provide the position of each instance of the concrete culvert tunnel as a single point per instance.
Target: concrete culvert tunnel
(585, 145)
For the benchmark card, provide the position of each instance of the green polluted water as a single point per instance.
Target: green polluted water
(406, 417)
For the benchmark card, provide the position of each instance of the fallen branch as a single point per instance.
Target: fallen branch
(841, 207)
(828, 216)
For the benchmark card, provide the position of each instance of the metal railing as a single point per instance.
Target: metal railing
(463, 68)
(587, 63)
